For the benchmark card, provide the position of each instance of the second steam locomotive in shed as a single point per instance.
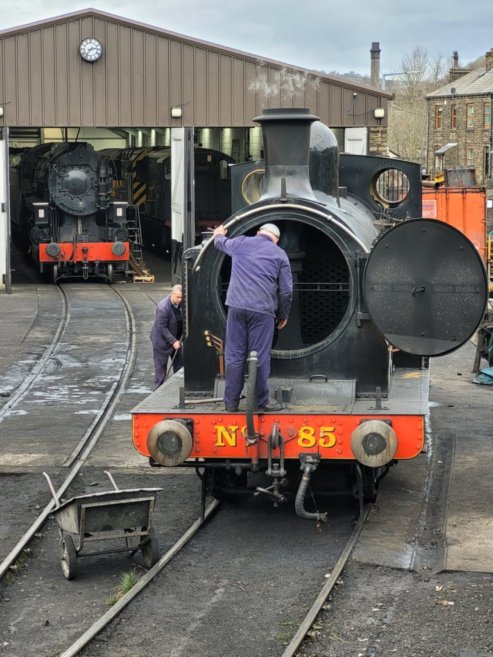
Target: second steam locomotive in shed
(377, 291)
(65, 213)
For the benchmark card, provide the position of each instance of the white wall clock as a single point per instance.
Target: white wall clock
(90, 49)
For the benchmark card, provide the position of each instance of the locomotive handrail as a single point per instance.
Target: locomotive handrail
(283, 206)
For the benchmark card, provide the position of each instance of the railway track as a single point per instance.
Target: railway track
(108, 617)
(105, 620)
(42, 333)
(312, 614)
(30, 379)
(209, 585)
(109, 392)
(289, 542)
(202, 596)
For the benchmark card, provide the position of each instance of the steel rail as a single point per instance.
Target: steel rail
(38, 367)
(93, 433)
(319, 602)
(87, 444)
(116, 609)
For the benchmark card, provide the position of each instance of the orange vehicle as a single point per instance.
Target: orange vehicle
(463, 208)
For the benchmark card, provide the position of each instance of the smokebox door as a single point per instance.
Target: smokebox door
(425, 286)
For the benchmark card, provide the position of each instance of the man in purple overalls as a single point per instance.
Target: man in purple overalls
(166, 335)
(259, 297)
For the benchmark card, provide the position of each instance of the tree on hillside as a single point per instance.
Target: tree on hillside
(479, 62)
(419, 74)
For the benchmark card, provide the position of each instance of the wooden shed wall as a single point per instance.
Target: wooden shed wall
(144, 72)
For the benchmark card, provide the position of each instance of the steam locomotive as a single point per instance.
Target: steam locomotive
(142, 177)
(377, 292)
(64, 212)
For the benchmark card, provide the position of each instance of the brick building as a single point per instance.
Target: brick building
(459, 122)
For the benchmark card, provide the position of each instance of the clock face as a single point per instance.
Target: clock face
(90, 49)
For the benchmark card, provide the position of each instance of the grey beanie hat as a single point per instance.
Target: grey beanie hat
(271, 228)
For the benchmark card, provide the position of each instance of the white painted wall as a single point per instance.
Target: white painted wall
(356, 141)
(100, 138)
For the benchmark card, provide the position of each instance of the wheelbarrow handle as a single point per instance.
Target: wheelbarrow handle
(52, 488)
(111, 479)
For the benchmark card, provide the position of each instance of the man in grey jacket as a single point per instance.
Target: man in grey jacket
(259, 297)
(166, 335)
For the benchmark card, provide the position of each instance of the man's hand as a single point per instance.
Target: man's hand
(282, 323)
(220, 230)
(176, 345)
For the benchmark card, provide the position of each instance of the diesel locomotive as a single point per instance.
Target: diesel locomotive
(142, 177)
(64, 212)
(377, 291)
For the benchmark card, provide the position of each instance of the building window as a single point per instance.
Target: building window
(487, 115)
(469, 156)
(453, 117)
(438, 116)
(469, 115)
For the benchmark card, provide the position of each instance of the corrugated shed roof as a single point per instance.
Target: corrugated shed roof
(192, 41)
(478, 82)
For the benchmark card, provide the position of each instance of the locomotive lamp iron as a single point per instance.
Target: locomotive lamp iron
(90, 49)
(377, 292)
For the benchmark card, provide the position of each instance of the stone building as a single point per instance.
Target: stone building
(459, 122)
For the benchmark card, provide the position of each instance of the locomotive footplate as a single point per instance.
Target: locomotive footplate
(408, 395)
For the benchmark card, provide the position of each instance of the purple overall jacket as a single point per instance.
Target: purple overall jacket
(261, 278)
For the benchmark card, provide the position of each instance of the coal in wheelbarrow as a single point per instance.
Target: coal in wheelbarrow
(110, 515)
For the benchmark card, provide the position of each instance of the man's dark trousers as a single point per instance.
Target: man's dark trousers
(161, 365)
(247, 331)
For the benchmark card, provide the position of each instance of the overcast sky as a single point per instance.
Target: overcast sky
(328, 35)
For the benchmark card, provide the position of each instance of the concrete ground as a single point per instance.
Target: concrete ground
(453, 477)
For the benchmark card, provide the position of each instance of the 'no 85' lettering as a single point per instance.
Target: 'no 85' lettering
(309, 437)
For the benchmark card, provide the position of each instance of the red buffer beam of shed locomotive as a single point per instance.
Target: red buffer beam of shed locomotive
(351, 368)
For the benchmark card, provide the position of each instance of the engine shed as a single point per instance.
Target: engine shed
(115, 83)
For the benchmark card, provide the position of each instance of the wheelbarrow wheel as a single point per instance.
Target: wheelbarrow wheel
(150, 549)
(68, 556)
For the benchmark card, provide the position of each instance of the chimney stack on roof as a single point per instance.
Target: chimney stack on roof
(489, 59)
(375, 64)
(456, 72)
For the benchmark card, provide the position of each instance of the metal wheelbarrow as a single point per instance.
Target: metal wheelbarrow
(109, 515)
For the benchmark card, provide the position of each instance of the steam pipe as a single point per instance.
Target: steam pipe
(282, 206)
(251, 402)
(299, 503)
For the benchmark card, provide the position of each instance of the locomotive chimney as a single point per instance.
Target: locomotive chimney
(286, 136)
(375, 64)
